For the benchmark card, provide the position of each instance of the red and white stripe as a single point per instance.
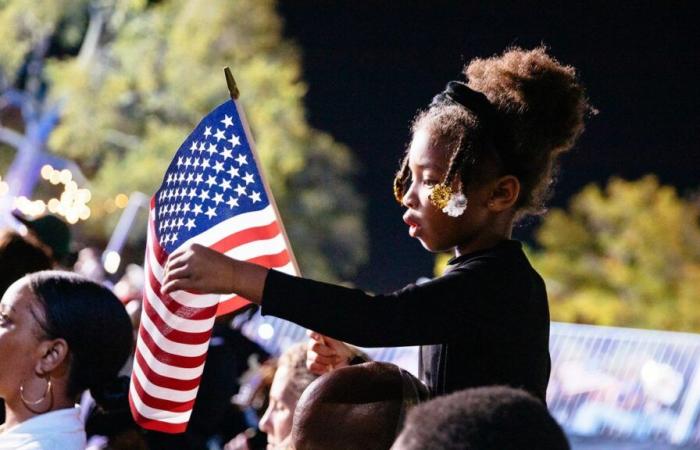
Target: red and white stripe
(175, 329)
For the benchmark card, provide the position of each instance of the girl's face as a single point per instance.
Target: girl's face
(20, 336)
(277, 420)
(435, 230)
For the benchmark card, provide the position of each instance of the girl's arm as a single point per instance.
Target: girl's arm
(437, 311)
(201, 269)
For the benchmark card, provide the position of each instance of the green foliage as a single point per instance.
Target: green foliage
(628, 255)
(156, 69)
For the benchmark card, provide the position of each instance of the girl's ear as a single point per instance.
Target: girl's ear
(505, 193)
(53, 353)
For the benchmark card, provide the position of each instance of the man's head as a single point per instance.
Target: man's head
(485, 418)
(355, 407)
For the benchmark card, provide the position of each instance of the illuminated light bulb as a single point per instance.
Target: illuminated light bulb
(54, 205)
(84, 213)
(121, 200)
(112, 261)
(46, 171)
(83, 195)
(38, 207)
(265, 331)
(71, 186)
(65, 176)
(55, 177)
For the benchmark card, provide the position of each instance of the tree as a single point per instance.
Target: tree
(140, 76)
(627, 255)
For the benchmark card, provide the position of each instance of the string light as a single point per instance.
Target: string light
(72, 203)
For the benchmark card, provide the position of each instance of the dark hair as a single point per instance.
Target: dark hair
(537, 111)
(18, 257)
(484, 418)
(361, 406)
(91, 320)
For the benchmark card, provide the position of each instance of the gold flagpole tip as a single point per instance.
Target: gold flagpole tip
(231, 83)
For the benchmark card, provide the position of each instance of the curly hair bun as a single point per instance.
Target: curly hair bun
(542, 104)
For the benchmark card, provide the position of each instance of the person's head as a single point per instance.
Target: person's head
(18, 257)
(356, 407)
(483, 153)
(54, 235)
(290, 380)
(61, 328)
(484, 418)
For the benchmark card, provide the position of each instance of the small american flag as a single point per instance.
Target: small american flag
(212, 194)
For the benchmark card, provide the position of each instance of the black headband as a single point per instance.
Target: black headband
(460, 93)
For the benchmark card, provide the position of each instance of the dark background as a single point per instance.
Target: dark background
(370, 65)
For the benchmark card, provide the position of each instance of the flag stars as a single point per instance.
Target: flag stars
(232, 202)
(227, 121)
(218, 198)
(194, 146)
(242, 159)
(202, 146)
(207, 131)
(248, 178)
(198, 179)
(226, 154)
(197, 210)
(211, 180)
(233, 172)
(218, 167)
(234, 140)
(212, 149)
(240, 190)
(204, 195)
(205, 164)
(219, 135)
(190, 224)
(225, 185)
(255, 197)
(211, 212)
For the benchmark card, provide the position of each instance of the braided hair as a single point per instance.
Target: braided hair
(515, 115)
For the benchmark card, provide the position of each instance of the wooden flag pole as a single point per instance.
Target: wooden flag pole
(235, 93)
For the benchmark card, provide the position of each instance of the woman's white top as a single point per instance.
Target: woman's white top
(56, 430)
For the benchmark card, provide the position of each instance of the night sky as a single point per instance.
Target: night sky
(370, 65)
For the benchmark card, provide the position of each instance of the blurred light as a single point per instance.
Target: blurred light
(55, 177)
(72, 216)
(121, 200)
(54, 205)
(71, 186)
(65, 176)
(83, 195)
(265, 331)
(109, 206)
(84, 213)
(38, 208)
(4, 188)
(112, 261)
(46, 171)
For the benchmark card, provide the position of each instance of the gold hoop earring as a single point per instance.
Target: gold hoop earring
(47, 393)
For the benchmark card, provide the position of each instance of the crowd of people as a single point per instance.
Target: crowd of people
(482, 155)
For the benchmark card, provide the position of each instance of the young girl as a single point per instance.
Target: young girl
(481, 157)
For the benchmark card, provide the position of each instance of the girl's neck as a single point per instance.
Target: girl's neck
(485, 240)
(16, 412)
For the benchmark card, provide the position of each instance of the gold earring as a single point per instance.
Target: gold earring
(47, 393)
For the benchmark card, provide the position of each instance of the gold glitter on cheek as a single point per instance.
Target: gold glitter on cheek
(440, 195)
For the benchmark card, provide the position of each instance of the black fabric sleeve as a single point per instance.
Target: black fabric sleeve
(430, 313)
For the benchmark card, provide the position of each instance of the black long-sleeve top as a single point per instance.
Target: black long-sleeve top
(485, 322)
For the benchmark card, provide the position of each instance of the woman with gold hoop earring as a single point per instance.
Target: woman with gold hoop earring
(60, 334)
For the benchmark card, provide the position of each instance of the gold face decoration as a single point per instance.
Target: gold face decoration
(440, 196)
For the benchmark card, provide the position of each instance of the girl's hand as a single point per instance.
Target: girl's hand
(198, 269)
(325, 354)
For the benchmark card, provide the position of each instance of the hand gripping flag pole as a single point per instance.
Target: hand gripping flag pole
(213, 194)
